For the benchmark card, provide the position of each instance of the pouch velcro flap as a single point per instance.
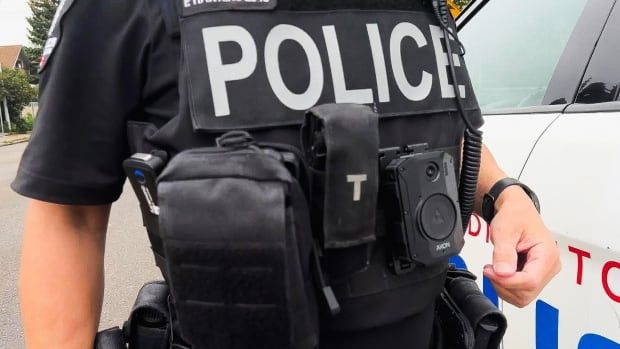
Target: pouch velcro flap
(213, 163)
(351, 178)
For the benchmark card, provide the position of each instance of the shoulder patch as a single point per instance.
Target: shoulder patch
(54, 32)
(192, 7)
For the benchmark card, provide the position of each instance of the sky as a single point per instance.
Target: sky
(13, 25)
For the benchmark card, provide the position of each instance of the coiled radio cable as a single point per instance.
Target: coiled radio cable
(472, 144)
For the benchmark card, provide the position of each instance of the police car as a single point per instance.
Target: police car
(547, 77)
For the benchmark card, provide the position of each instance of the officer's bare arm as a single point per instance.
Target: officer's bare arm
(516, 229)
(61, 278)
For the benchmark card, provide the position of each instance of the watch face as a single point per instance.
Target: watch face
(488, 208)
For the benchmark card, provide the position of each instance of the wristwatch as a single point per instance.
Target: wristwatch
(488, 202)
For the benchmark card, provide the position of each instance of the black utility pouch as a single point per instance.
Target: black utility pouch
(341, 142)
(238, 244)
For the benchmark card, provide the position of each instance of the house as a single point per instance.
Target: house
(14, 57)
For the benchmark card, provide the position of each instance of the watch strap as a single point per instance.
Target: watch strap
(488, 202)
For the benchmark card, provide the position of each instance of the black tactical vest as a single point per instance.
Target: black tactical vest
(260, 65)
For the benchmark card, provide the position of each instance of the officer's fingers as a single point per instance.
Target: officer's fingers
(505, 237)
(520, 288)
(543, 261)
(513, 297)
(496, 279)
(503, 293)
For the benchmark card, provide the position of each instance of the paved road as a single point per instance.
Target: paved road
(129, 263)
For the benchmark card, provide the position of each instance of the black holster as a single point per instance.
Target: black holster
(111, 338)
(149, 325)
(466, 318)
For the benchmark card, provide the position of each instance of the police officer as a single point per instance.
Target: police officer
(111, 62)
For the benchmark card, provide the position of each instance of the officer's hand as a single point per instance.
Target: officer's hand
(525, 256)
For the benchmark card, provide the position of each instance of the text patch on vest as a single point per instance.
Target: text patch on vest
(191, 7)
(261, 69)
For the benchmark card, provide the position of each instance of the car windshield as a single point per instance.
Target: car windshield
(513, 48)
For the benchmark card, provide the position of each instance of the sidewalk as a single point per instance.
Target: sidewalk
(13, 139)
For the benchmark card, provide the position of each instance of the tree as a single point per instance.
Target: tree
(462, 3)
(18, 92)
(43, 12)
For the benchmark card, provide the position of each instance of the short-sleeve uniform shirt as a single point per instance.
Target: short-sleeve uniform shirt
(113, 61)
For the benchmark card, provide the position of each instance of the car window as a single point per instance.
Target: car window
(601, 81)
(513, 48)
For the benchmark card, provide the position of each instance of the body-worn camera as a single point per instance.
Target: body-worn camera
(419, 196)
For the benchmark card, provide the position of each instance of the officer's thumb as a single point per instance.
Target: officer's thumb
(505, 252)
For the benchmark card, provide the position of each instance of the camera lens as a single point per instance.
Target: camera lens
(432, 171)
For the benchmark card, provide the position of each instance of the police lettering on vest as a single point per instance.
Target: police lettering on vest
(280, 64)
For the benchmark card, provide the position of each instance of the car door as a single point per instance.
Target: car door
(580, 194)
(528, 60)
(575, 169)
